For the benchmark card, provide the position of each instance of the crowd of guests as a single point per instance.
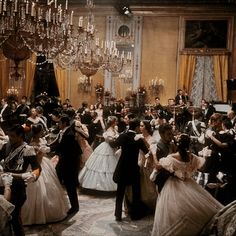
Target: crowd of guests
(157, 159)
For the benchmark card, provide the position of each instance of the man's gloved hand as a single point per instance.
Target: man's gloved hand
(29, 177)
(209, 133)
(6, 179)
(138, 136)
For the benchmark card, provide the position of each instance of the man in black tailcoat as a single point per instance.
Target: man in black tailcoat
(127, 171)
(68, 151)
(5, 115)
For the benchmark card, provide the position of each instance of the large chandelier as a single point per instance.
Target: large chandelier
(37, 26)
(86, 52)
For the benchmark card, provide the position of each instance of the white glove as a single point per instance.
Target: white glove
(28, 177)
(138, 136)
(206, 152)
(153, 175)
(171, 121)
(209, 133)
(6, 179)
(44, 149)
(220, 176)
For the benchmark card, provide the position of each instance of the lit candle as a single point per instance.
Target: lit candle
(91, 29)
(66, 4)
(97, 41)
(122, 55)
(71, 18)
(27, 8)
(32, 9)
(39, 13)
(5, 5)
(15, 6)
(88, 27)
(60, 16)
(81, 21)
(49, 14)
(0, 6)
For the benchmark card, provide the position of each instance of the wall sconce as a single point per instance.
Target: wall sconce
(84, 84)
(156, 86)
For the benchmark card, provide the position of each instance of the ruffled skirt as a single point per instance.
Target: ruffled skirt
(46, 200)
(98, 171)
(183, 208)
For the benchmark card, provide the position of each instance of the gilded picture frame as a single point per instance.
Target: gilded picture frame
(206, 34)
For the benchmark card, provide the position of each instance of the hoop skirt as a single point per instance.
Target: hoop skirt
(46, 200)
(98, 171)
(183, 207)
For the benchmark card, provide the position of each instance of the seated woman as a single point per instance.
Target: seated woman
(183, 207)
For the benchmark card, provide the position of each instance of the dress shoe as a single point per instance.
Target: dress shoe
(72, 211)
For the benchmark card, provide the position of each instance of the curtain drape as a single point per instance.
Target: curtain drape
(4, 72)
(61, 75)
(220, 71)
(186, 72)
(29, 74)
(220, 63)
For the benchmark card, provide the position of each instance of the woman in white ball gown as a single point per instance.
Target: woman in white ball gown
(46, 200)
(183, 207)
(99, 168)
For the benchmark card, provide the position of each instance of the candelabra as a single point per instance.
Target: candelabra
(85, 84)
(12, 91)
(156, 86)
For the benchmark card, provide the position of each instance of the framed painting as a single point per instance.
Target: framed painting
(210, 34)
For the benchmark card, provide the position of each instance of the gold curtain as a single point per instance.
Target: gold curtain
(29, 74)
(61, 75)
(186, 72)
(4, 74)
(220, 63)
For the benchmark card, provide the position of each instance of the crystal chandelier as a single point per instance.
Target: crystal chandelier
(86, 52)
(37, 26)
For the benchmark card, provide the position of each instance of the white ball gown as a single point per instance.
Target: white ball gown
(46, 200)
(183, 207)
(98, 171)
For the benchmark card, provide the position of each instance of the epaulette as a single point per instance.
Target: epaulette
(29, 151)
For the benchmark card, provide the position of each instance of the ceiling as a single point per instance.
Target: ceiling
(149, 5)
(152, 2)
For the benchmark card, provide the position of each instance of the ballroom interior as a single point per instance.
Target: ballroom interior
(152, 47)
(130, 50)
